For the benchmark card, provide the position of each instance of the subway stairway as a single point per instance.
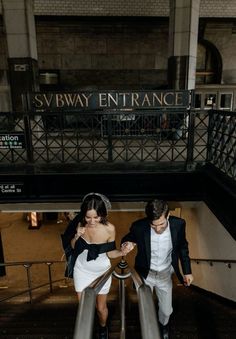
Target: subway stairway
(196, 315)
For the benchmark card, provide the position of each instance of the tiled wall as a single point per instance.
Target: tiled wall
(208, 8)
(218, 8)
(160, 8)
(102, 7)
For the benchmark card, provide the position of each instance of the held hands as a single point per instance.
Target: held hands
(127, 247)
(188, 279)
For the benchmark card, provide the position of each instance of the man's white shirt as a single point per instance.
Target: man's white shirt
(161, 248)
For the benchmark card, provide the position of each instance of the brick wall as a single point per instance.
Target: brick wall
(114, 53)
(208, 8)
(218, 8)
(102, 7)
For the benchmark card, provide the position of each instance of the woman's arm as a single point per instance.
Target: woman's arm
(116, 253)
(80, 231)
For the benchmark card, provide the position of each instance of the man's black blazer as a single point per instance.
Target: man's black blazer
(140, 234)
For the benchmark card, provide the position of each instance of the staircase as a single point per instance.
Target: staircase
(48, 317)
(132, 321)
(52, 316)
(37, 321)
(196, 315)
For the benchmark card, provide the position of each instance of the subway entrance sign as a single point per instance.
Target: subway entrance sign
(107, 100)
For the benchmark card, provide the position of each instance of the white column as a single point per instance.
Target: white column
(22, 48)
(183, 40)
(20, 28)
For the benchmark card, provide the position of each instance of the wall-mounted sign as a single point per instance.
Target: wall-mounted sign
(21, 67)
(11, 188)
(12, 140)
(110, 100)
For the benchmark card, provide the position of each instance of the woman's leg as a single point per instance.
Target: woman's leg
(102, 310)
(78, 295)
(101, 305)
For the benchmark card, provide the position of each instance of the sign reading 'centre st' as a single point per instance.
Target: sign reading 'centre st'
(109, 100)
(11, 188)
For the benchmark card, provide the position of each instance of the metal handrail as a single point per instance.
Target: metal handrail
(27, 265)
(147, 312)
(228, 262)
(86, 309)
(85, 314)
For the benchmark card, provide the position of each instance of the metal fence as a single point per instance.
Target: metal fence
(222, 141)
(147, 136)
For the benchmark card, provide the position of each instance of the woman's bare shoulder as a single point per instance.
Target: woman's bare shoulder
(110, 227)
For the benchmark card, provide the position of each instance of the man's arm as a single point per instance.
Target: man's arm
(184, 258)
(129, 241)
(131, 236)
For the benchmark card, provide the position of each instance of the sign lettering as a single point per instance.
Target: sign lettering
(110, 100)
(11, 188)
(12, 141)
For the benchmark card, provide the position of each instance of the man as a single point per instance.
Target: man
(161, 242)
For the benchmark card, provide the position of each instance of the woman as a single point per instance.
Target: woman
(93, 245)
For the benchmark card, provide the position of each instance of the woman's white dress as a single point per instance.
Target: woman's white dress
(85, 272)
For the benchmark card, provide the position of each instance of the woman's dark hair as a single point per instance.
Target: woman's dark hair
(156, 208)
(93, 202)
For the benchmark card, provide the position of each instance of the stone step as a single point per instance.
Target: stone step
(196, 316)
(49, 320)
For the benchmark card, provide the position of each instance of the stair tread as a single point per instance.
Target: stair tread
(25, 321)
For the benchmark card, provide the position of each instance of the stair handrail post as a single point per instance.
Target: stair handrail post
(49, 264)
(85, 315)
(27, 267)
(122, 308)
(122, 266)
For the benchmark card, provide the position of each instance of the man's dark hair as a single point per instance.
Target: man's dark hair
(156, 208)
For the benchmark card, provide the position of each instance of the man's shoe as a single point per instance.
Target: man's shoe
(103, 332)
(165, 332)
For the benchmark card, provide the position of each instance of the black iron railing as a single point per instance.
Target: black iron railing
(222, 141)
(147, 136)
(27, 265)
